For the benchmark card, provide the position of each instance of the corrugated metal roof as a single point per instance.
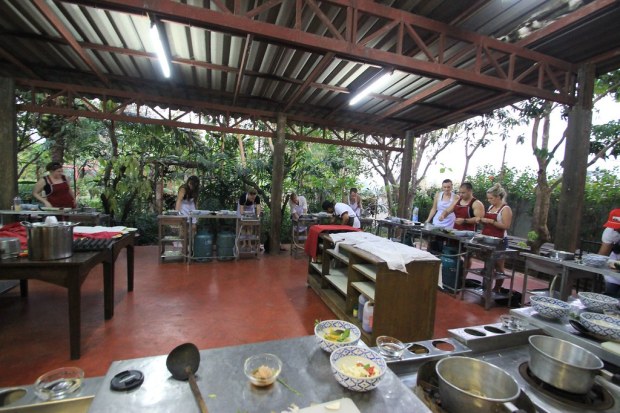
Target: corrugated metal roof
(89, 43)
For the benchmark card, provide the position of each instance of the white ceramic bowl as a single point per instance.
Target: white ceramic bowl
(329, 345)
(549, 307)
(595, 260)
(352, 355)
(605, 326)
(262, 369)
(598, 302)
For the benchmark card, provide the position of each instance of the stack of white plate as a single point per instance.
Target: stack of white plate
(595, 260)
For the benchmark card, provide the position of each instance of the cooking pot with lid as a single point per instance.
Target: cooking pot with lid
(50, 241)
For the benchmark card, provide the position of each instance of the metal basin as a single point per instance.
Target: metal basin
(75, 405)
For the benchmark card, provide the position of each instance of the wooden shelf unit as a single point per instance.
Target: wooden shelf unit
(404, 302)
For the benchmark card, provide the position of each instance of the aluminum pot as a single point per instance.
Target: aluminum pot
(471, 385)
(9, 247)
(565, 365)
(50, 241)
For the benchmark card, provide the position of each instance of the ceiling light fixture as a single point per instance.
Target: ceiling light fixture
(157, 34)
(374, 86)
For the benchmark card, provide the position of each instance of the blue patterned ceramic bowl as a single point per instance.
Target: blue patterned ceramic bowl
(549, 307)
(328, 345)
(598, 302)
(602, 325)
(343, 361)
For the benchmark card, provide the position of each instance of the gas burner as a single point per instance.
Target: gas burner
(598, 398)
(427, 390)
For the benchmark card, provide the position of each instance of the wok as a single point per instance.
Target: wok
(182, 363)
(565, 365)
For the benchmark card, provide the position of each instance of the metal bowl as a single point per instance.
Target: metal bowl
(489, 240)
(9, 247)
(561, 255)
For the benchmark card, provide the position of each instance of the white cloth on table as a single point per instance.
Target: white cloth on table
(97, 229)
(395, 254)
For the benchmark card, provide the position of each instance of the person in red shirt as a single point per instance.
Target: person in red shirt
(468, 210)
(53, 190)
(497, 220)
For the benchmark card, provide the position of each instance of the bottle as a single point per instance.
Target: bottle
(369, 309)
(414, 216)
(17, 203)
(360, 306)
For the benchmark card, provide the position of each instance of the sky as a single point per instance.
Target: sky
(518, 156)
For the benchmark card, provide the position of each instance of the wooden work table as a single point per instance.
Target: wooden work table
(70, 273)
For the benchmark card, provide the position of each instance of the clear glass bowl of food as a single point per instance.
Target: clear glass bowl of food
(262, 369)
(390, 346)
(60, 383)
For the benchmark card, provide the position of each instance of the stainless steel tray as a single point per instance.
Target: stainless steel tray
(433, 352)
(489, 337)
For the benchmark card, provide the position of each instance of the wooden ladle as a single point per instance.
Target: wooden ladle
(182, 363)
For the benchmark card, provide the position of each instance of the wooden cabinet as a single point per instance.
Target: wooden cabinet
(404, 302)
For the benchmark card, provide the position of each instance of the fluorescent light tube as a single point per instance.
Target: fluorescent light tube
(159, 50)
(377, 84)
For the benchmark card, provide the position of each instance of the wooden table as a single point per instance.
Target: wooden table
(71, 273)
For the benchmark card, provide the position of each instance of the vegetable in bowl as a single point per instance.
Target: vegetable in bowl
(332, 334)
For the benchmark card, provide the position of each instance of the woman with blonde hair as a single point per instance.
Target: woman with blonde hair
(496, 221)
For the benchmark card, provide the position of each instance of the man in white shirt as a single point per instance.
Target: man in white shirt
(298, 205)
(342, 212)
(611, 246)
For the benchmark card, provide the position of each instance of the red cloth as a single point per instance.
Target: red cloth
(312, 242)
(16, 230)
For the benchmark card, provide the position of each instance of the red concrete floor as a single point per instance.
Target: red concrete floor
(210, 304)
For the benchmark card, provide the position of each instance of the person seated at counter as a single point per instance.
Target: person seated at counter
(187, 198)
(443, 200)
(343, 213)
(496, 221)
(611, 246)
(355, 202)
(467, 209)
(53, 190)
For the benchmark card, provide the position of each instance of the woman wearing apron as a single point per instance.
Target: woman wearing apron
(53, 190)
(496, 221)
(187, 197)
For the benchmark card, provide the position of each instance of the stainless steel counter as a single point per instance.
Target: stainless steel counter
(221, 380)
(563, 330)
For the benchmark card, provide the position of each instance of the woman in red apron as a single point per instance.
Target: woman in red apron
(53, 190)
(497, 220)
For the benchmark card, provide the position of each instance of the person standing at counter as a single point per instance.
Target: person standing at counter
(53, 190)
(249, 203)
(496, 221)
(443, 200)
(611, 246)
(298, 206)
(342, 212)
(187, 197)
(355, 202)
(467, 209)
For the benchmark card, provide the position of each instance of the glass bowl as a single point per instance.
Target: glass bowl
(390, 347)
(59, 383)
(262, 369)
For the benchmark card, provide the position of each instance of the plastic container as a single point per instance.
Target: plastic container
(414, 216)
(203, 246)
(360, 306)
(369, 309)
(17, 203)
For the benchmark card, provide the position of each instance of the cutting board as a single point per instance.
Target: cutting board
(346, 406)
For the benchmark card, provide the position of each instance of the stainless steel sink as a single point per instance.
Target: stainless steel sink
(75, 405)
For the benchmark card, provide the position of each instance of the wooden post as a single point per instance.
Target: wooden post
(575, 163)
(277, 177)
(405, 176)
(8, 142)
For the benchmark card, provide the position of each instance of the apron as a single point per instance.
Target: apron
(464, 211)
(490, 229)
(60, 197)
